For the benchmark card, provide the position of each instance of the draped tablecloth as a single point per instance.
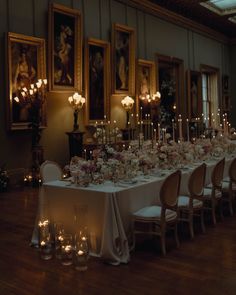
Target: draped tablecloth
(109, 208)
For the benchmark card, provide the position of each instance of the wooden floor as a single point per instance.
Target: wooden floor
(204, 266)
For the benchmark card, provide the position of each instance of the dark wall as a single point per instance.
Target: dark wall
(153, 36)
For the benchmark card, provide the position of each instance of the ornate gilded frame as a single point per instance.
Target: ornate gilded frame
(97, 55)
(150, 80)
(127, 35)
(34, 50)
(65, 48)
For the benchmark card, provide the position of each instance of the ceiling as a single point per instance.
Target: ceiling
(212, 16)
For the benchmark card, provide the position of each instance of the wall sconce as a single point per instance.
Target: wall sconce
(127, 103)
(76, 101)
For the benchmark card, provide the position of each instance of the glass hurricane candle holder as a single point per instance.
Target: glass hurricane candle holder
(45, 240)
(81, 254)
(59, 236)
(67, 249)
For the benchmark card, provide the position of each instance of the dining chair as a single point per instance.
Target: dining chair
(192, 204)
(229, 187)
(163, 217)
(50, 171)
(212, 194)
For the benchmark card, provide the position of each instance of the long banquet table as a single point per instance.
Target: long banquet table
(109, 207)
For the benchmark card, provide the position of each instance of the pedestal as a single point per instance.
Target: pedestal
(37, 160)
(75, 143)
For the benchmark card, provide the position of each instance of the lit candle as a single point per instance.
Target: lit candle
(159, 132)
(102, 133)
(85, 154)
(115, 130)
(109, 131)
(163, 134)
(155, 135)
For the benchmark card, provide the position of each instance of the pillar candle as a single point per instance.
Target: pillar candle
(173, 129)
(187, 126)
(159, 131)
(180, 128)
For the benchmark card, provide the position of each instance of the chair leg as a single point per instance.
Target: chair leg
(133, 235)
(202, 221)
(231, 205)
(163, 241)
(221, 209)
(231, 208)
(190, 221)
(213, 212)
(176, 235)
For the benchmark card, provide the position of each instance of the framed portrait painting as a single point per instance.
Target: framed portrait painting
(25, 65)
(145, 85)
(65, 49)
(123, 47)
(97, 80)
(194, 90)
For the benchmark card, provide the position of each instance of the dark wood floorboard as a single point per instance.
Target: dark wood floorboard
(206, 265)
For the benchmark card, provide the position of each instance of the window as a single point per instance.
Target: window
(210, 97)
(205, 99)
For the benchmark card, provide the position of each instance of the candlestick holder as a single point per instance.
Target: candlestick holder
(76, 101)
(127, 103)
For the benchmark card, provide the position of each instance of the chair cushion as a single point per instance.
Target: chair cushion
(207, 193)
(154, 212)
(225, 186)
(183, 201)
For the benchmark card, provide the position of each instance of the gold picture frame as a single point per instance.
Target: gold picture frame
(25, 64)
(194, 92)
(97, 80)
(65, 49)
(145, 85)
(123, 52)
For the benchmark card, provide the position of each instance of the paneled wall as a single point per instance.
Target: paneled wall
(154, 35)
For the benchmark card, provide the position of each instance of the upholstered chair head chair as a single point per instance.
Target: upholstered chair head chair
(229, 186)
(213, 193)
(161, 218)
(192, 204)
(50, 171)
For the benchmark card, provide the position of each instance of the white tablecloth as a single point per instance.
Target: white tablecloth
(109, 208)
